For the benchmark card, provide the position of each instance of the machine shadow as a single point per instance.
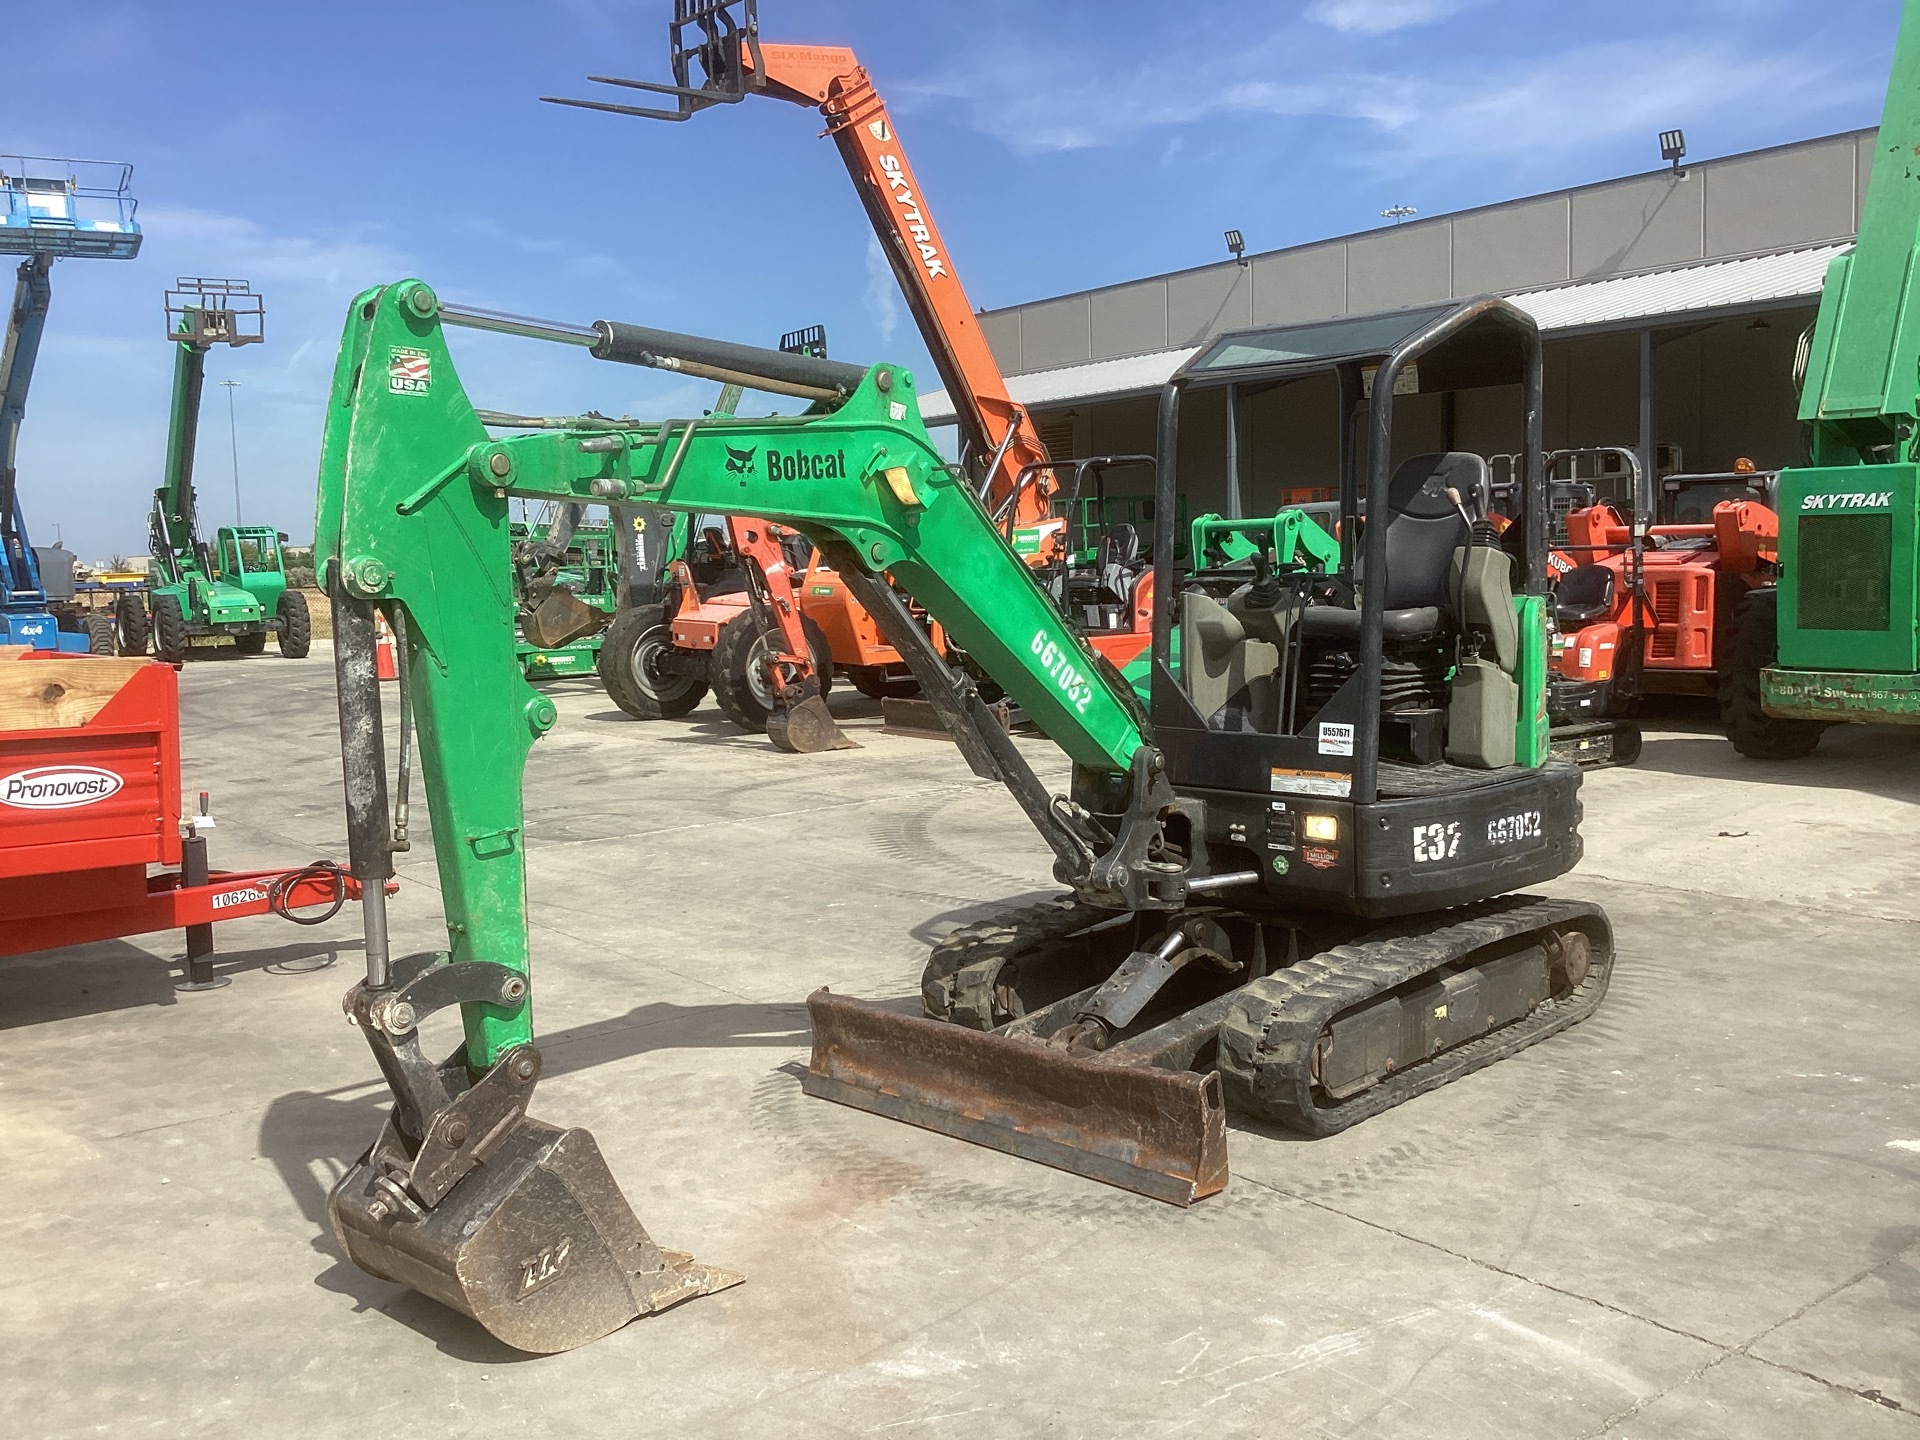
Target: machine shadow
(312, 1138)
(935, 928)
(115, 975)
(1882, 761)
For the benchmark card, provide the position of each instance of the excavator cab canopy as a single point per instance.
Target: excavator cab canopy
(1408, 651)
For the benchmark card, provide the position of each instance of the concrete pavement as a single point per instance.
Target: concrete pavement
(1696, 1215)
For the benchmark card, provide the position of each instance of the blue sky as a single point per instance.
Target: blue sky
(315, 149)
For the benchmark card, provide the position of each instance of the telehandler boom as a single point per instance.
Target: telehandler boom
(1110, 595)
(1289, 874)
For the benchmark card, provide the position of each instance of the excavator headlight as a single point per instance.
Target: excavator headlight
(1324, 828)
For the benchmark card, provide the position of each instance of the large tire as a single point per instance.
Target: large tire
(250, 644)
(133, 630)
(101, 637)
(296, 626)
(169, 631)
(1756, 645)
(630, 654)
(738, 670)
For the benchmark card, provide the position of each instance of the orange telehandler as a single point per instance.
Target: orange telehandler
(1018, 480)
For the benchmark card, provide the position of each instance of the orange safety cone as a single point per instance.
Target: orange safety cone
(385, 665)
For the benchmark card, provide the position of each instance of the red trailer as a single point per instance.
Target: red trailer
(94, 840)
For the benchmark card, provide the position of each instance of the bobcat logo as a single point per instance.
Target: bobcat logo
(740, 462)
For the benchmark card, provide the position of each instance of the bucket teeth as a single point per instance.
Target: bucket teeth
(1154, 1131)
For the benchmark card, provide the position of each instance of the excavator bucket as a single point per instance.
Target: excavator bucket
(537, 1244)
(806, 727)
(1154, 1131)
(560, 619)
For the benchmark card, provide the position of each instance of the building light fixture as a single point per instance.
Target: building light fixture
(1237, 246)
(1397, 213)
(1673, 149)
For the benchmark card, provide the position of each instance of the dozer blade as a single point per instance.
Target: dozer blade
(537, 1244)
(1598, 744)
(1156, 1132)
(806, 728)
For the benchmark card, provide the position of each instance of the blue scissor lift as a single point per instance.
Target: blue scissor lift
(49, 210)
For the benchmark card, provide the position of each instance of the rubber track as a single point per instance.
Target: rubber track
(1267, 1040)
(1010, 933)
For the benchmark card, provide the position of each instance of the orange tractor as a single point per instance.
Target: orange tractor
(1647, 605)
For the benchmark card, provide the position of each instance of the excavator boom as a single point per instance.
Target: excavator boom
(465, 1196)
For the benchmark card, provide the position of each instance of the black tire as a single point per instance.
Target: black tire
(169, 631)
(738, 669)
(1756, 645)
(820, 650)
(250, 644)
(629, 667)
(296, 626)
(875, 683)
(133, 629)
(101, 637)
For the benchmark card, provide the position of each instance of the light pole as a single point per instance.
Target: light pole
(233, 437)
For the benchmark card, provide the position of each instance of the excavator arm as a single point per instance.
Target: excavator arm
(413, 527)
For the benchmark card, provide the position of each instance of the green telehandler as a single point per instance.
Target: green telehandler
(1838, 638)
(1288, 874)
(236, 588)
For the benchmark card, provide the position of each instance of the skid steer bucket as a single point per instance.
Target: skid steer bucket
(537, 1243)
(1155, 1131)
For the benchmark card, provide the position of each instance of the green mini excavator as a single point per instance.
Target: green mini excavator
(1288, 875)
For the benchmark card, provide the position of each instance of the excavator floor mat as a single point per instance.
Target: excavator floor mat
(1155, 1131)
(537, 1244)
(807, 728)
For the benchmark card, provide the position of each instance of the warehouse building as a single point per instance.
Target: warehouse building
(1671, 303)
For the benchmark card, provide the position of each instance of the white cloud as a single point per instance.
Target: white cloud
(1454, 109)
(882, 295)
(1377, 17)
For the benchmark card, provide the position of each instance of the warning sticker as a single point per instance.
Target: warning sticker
(1336, 739)
(1329, 783)
(409, 372)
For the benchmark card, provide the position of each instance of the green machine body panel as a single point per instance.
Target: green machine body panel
(1848, 539)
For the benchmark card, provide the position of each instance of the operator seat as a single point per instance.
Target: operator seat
(1585, 594)
(1118, 560)
(1424, 530)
